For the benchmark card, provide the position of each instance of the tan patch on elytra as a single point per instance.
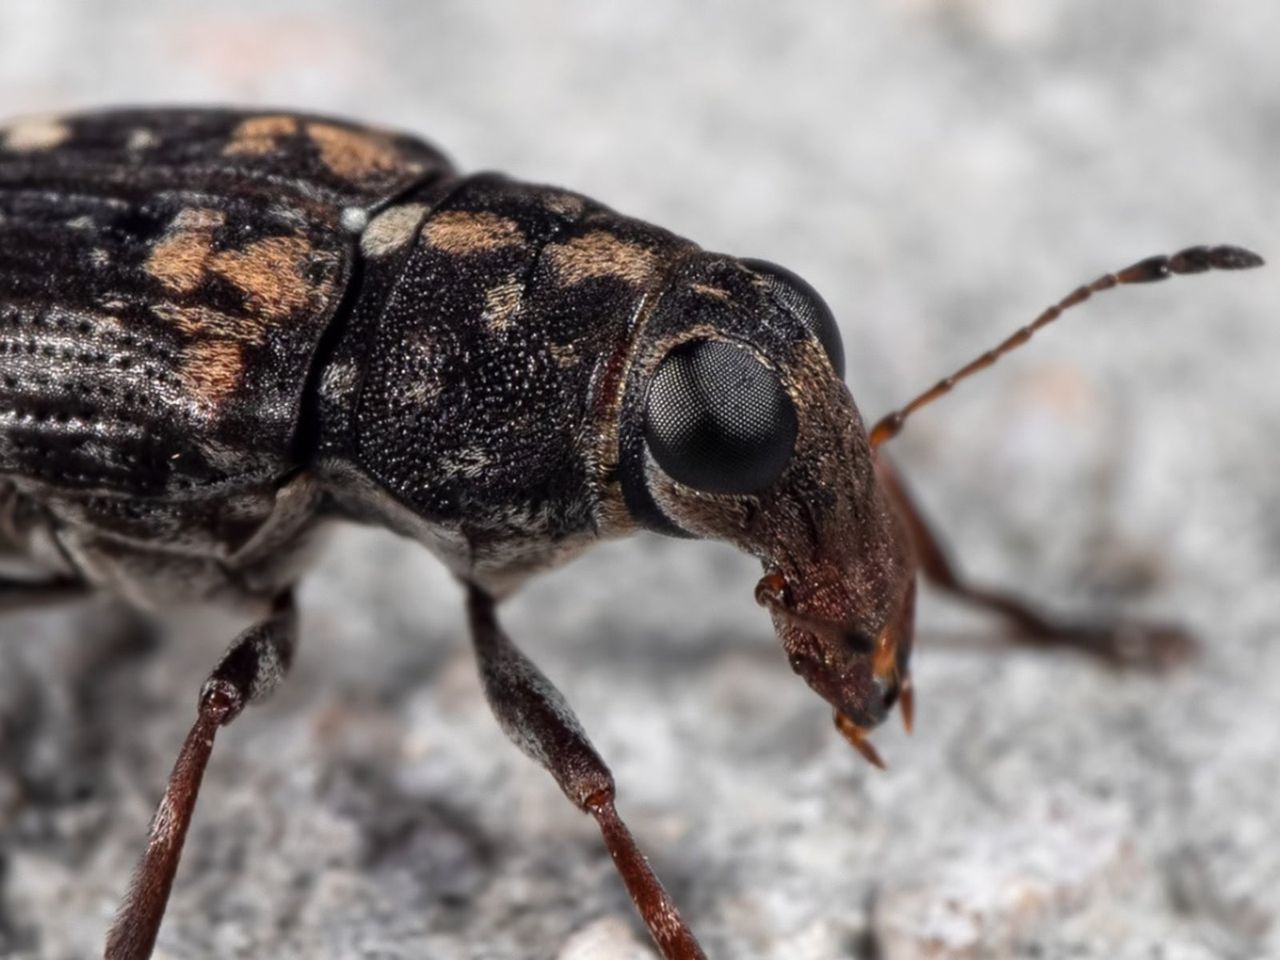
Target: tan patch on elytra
(462, 232)
(601, 254)
(354, 154)
(392, 229)
(180, 260)
(500, 303)
(34, 134)
(259, 136)
(270, 273)
(205, 322)
(212, 370)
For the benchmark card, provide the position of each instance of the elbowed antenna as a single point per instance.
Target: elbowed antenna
(1191, 260)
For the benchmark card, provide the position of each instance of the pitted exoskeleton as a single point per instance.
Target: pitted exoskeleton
(221, 330)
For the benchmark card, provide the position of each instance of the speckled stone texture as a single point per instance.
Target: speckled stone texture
(940, 169)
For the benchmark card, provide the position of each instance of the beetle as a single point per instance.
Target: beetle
(220, 330)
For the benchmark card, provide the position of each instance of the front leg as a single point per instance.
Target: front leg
(1122, 642)
(534, 714)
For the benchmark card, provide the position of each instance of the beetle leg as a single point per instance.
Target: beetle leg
(252, 666)
(1122, 643)
(18, 594)
(534, 714)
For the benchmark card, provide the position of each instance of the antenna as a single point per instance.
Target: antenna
(1191, 260)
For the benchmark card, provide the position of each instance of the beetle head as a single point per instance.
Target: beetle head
(737, 426)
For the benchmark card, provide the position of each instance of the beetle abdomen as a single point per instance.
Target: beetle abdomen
(165, 281)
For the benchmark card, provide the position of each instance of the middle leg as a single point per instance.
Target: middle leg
(1121, 642)
(534, 714)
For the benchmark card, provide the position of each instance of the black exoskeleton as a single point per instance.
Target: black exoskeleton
(220, 330)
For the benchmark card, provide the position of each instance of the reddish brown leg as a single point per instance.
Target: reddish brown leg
(1123, 643)
(533, 713)
(254, 663)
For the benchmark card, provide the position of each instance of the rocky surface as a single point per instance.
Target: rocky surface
(940, 170)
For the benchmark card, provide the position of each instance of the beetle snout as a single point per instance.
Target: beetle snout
(862, 670)
(854, 669)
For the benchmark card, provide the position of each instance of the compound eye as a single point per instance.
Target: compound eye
(718, 420)
(804, 303)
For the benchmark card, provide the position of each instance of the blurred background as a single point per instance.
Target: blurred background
(940, 170)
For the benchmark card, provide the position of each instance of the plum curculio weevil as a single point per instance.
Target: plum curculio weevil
(221, 330)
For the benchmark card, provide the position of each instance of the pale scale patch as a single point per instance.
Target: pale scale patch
(392, 229)
(35, 134)
(500, 303)
(140, 138)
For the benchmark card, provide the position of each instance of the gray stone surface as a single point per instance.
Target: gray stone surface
(940, 169)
